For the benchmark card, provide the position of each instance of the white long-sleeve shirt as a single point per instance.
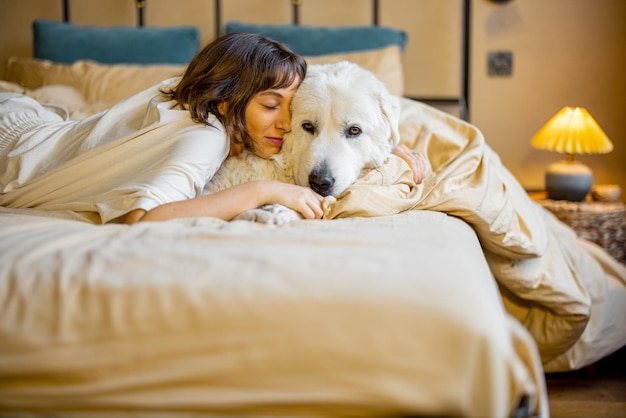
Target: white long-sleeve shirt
(141, 153)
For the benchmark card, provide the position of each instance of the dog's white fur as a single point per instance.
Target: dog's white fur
(343, 120)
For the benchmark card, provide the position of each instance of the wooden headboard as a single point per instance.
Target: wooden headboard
(295, 14)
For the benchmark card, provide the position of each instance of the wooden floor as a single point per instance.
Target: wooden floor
(598, 391)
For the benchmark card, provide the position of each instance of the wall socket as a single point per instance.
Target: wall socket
(500, 63)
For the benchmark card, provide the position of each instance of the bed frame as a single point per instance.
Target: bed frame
(462, 101)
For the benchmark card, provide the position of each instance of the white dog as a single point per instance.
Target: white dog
(343, 120)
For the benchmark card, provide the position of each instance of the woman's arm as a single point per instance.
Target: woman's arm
(228, 203)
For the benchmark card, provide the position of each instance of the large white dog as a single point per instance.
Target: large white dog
(343, 120)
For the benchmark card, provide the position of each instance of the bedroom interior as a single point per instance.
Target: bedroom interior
(564, 53)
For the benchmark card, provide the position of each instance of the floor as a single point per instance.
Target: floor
(598, 391)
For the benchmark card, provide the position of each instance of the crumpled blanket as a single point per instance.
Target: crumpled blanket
(384, 190)
(548, 278)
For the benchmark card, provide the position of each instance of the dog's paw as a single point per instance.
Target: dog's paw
(270, 214)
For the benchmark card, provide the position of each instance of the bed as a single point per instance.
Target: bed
(451, 298)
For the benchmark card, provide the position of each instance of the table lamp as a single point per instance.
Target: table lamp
(571, 131)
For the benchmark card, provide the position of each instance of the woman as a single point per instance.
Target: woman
(148, 157)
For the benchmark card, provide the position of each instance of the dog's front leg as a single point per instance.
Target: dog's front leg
(270, 214)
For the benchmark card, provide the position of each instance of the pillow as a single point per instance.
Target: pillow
(316, 40)
(66, 43)
(33, 73)
(112, 83)
(98, 83)
(385, 63)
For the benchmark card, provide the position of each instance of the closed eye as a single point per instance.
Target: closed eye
(308, 127)
(353, 131)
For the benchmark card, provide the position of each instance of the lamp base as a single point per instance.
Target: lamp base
(568, 180)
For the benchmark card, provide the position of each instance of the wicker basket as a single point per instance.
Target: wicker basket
(601, 222)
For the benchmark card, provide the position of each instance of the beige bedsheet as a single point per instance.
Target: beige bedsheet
(393, 315)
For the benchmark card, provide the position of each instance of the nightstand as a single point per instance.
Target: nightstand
(601, 222)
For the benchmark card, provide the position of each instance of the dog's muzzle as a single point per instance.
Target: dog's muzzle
(322, 182)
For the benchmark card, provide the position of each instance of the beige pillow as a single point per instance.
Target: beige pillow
(33, 73)
(112, 83)
(98, 83)
(385, 63)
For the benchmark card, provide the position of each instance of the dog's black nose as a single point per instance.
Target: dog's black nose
(322, 184)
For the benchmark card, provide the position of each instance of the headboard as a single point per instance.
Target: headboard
(462, 100)
(295, 13)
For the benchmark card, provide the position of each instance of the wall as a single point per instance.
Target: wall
(566, 53)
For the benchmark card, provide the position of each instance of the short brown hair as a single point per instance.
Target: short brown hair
(233, 68)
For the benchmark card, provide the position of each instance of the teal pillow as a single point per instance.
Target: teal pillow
(321, 40)
(66, 43)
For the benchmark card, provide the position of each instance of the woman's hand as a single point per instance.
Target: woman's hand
(301, 199)
(416, 160)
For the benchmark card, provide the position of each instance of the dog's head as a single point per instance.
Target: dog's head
(343, 120)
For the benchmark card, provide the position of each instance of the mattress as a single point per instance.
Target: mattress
(391, 315)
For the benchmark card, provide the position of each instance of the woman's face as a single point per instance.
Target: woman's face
(268, 117)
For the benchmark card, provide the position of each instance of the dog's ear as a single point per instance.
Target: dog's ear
(390, 109)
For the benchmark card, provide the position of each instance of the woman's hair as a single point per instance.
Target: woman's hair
(233, 68)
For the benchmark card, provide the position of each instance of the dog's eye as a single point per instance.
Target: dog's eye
(308, 127)
(354, 131)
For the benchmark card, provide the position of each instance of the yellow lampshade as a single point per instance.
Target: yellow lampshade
(572, 131)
